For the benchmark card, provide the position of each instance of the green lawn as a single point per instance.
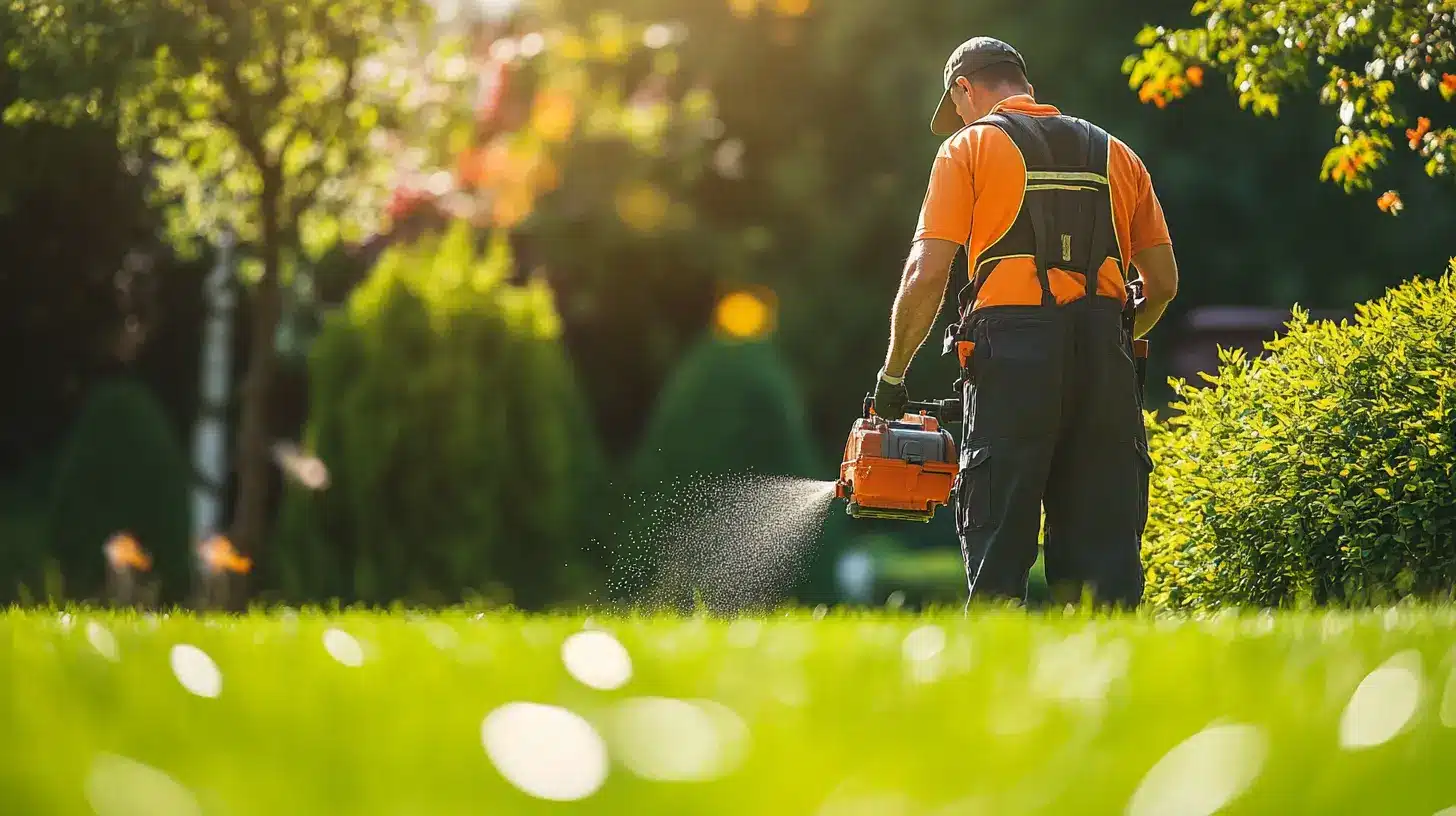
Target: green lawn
(398, 714)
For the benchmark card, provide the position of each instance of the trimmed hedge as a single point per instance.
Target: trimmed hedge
(1322, 473)
(123, 469)
(462, 462)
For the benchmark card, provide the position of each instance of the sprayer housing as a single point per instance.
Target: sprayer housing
(902, 469)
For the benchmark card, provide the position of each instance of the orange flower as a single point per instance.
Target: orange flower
(1390, 202)
(1423, 126)
(1448, 85)
(1195, 75)
(218, 555)
(123, 552)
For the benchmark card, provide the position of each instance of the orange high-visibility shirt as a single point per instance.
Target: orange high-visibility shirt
(975, 194)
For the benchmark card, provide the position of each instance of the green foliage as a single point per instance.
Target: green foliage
(857, 713)
(460, 458)
(1367, 53)
(1321, 473)
(253, 117)
(122, 470)
(731, 407)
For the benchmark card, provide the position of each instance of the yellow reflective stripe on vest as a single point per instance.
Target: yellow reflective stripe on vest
(1052, 175)
(1074, 187)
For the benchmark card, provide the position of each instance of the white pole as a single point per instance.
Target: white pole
(209, 456)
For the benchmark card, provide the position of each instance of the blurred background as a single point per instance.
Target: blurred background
(599, 247)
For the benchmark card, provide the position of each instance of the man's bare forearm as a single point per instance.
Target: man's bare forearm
(917, 304)
(1147, 317)
(1158, 270)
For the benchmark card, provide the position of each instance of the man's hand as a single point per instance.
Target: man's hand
(890, 400)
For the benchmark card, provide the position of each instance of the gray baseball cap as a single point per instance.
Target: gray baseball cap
(972, 55)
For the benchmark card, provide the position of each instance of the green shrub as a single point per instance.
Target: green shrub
(461, 460)
(122, 470)
(1321, 473)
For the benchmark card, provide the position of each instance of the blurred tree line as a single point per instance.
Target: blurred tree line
(809, 153)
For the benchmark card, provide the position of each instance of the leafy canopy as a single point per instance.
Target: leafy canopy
(243, 111)
(1381, 64)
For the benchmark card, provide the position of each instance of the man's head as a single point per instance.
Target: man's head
(980, 73)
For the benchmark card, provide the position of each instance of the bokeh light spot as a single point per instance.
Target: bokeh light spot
(117, 786)
(1203, 773)
(1384, 702)
(342, 647)
(924, 643)
(545, 751)
(743, 9)
(642, 206)
(196, 671)
(744, 314)
(670, 740)
(596, 659)
(101, 640)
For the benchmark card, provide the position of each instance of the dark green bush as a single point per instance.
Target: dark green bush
(122, 470)
(1322, 473)
(461, 460)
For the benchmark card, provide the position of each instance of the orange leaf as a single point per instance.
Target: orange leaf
(1390, 202)
(1195, 75)
(1423, 126)
(1448, 86)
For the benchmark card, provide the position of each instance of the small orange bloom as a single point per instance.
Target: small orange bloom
(1448, 86)
(1423, 126)
(1195, 75)
(123, 552)
(1390, 202)
(218, 555)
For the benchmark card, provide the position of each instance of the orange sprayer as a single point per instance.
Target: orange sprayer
(901, 469)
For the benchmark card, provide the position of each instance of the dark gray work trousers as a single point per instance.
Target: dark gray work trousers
(1053, 419)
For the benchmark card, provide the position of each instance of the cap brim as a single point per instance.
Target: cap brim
(946, 121)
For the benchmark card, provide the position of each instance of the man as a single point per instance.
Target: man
(1051, 210)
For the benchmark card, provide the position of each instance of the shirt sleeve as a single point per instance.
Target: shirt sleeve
(1148, 228)
(946, 211)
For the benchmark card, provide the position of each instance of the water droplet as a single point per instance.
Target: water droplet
(101, 640)
(1384, 702)
(545, 751)
(196, 671)
(596, 659)
(670, 740)
(1203, 773)
(342, 647)
(117, 786)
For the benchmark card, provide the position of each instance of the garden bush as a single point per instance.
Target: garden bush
(462, 461)
(1321, 473)
(123, 469)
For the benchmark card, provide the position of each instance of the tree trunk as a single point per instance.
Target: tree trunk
(250, 512)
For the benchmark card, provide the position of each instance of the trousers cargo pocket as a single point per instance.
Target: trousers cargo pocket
(973, 488)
